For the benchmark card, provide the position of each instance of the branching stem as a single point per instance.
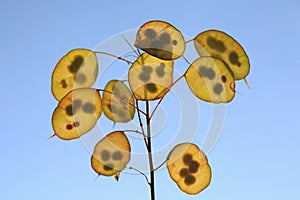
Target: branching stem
(141, 174)
(150, 156)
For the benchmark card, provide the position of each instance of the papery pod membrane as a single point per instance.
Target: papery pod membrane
(189, 168)
(221, 45)
(150, 78)
(76, 113)
(161, 40)
(118, 102)
(111, 154)
(211, 80)
(77, 69)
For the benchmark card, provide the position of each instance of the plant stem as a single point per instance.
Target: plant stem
(141, 124)
(149, 149)
(112, 55)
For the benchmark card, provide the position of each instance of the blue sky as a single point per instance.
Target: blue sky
(256, 156)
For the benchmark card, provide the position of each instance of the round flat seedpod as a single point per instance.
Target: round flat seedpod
(150, 78)
(161, 40)
(189, 168)
(77, 69)
(211, 80)
(111, 154)
(76, 113)
(221, 45)
(117, 102)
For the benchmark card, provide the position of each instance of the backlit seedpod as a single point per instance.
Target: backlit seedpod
(189, 168)
(117, 102)
(150, 78)
(221, 45)
(161, 40)
(76, 113)
(111, 154)
(211, 80)
(77, 69)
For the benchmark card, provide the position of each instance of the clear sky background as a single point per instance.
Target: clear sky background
(257, 155)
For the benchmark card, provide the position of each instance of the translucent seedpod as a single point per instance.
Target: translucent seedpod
(189, 168)
(77, 69)
(211, 80)
(76, 113)
(161, 40)
(221, 45)
(150, 78)
(111, 154)
(118, 102)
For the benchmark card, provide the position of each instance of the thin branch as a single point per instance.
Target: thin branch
(246, 82)
(112, 55)
(130, 45)
(159, 166)
(190, 40)
(134, 56)
(134, 131)
(52, 136)
(141, 123)
(132, 168)
(170, 87)
(186, 60)
(122, 100)
(97, 177)
(160, 100)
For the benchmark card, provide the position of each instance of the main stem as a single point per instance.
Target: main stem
(149, 149)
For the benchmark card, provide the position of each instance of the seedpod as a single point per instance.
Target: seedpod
(111, 154)
(189, 168)
(150, 78)
(221, 45)
(117, 102)
(77, 69)
(211, 80)
(76, 113)
(161, 40)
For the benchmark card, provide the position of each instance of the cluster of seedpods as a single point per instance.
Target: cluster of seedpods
(211, 78)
